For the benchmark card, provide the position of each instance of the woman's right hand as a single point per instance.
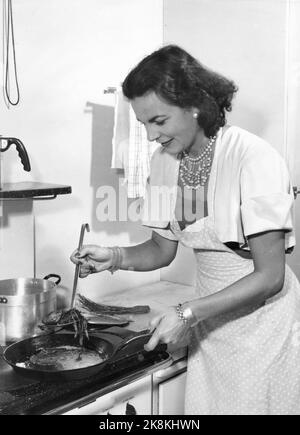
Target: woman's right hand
(92, 259)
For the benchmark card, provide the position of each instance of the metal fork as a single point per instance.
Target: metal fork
(77, 268)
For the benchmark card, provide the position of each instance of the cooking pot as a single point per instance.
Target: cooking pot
(24, 302)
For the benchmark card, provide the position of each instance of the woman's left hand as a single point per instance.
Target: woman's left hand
(168, 329)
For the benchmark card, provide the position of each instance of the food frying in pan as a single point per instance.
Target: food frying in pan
(63, 358)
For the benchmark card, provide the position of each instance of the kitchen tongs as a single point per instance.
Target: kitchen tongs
(77, 268)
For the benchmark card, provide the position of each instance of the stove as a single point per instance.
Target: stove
(20, 395)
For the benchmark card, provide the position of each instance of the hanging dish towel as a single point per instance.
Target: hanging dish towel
(132, 151)
(120, 141)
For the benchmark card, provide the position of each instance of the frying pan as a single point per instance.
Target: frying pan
(20, 352)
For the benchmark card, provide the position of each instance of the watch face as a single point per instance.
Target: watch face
(187, 313)
(189, 316)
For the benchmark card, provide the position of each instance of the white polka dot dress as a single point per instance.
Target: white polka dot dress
(246, 363)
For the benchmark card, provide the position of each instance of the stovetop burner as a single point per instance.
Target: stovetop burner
(20, 395)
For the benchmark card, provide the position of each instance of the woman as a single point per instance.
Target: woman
(232, 204)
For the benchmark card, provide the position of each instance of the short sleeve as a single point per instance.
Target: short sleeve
(266, 193)
(161, 193)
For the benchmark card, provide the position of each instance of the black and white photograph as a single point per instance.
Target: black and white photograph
(150, 210)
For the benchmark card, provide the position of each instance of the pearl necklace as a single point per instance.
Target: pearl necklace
(194, 172)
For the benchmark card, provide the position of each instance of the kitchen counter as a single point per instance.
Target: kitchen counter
(19, 395)
(158, 296)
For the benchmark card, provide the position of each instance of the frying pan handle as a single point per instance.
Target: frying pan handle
(53, 275)
(144, 335)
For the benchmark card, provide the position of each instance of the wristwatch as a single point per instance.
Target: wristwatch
(186, 315)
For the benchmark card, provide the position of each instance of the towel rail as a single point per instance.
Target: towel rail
(110, 90)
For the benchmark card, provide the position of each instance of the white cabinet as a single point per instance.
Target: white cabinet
(138, 394)
(169, 390)
(171, 395)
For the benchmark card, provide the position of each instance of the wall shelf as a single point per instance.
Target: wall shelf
(32, 190)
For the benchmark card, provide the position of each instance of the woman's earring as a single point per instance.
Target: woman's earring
(195, 115)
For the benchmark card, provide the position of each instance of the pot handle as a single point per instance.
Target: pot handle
(53, 275)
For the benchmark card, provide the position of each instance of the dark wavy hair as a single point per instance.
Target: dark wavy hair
(179, 79)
